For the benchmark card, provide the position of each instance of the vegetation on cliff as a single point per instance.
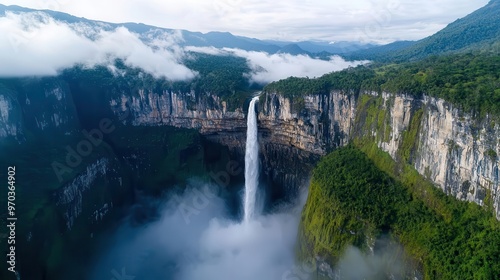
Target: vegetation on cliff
(223, 75)
(471, 82)
(351, 199)
(220, 74)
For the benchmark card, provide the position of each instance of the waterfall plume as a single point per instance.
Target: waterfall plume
(251, 162)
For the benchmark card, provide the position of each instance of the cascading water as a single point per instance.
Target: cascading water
(251, 162)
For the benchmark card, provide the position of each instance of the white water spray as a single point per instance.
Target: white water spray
(251, 162)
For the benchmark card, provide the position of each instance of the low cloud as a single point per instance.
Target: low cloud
(34, 44)
(291, 20)
(272, 67)
(211, 246)
(386, 262)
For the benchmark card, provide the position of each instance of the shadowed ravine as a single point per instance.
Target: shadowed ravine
(196, 237)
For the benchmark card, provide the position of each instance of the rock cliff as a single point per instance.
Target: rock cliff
(457, 151)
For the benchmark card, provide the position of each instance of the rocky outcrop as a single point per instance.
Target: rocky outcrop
(71, 195)
(324, 123)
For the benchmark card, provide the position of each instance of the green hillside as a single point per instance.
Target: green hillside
(479, 31)
(469, 81)
(351, 200)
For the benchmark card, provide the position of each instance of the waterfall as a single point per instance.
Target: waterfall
(251, 162)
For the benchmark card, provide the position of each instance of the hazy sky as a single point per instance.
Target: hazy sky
(361, 20)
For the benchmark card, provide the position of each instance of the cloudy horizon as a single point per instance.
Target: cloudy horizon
(365, 21)
(36, 44)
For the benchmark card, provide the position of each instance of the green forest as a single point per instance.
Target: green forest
(351, 199)
(469, 81)
(223, 75)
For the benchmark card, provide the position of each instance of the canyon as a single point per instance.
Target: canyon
(458, 152)
(455, 150)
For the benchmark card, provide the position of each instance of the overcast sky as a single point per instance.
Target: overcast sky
(380, 21)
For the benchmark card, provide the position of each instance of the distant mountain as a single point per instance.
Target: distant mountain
(341, 47)
(379, 52)
(322, 46)
(478, 31)
(198, 39)
(225, 40)
(293, 49)
(210, 39)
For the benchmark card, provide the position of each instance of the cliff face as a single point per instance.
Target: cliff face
(42, 106)
(8, 123)
(74, 187)
(459, 154)
(285, 162)
(324, 123)
(206, 113)
(455, 150)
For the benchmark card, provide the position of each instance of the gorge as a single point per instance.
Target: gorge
(451, 148)
(141, 152)
(454, 150)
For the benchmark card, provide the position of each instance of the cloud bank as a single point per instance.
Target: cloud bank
(36, 44)
(267, 68)
(291, 20)
(209, 245)
(272, 67)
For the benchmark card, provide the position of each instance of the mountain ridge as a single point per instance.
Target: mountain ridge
(218, 39)
(480, 30)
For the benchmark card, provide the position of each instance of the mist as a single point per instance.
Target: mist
(35, 44)
(195, 237)
(386, 261)
(266, 68)
(272, 67)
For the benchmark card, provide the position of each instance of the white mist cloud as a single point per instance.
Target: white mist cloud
(36, 44)
(289, 20)
(387, 260)
(195, 239)
(207, 246)
(272, 67)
